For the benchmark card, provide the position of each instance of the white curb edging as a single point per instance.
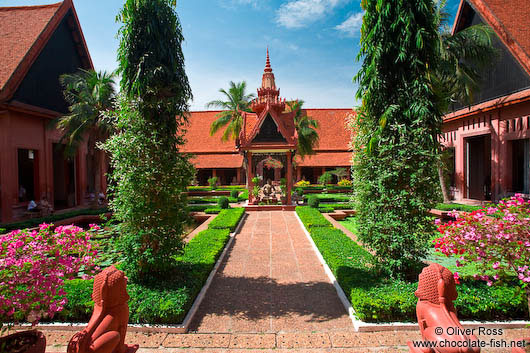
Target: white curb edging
(347, 305)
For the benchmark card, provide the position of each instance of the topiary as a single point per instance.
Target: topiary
(313, 201)
(234, 193)
(223, 202)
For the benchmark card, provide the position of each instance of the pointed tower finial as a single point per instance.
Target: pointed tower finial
(268, 63)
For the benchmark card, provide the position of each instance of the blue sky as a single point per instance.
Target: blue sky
(313, 44)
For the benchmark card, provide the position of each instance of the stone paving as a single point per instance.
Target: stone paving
(271, 281)
(336, 341)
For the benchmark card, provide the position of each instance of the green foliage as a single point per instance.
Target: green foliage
(212, 210)
(222, 202)
(395, 180)
(299, 192)
(227, 218)
(313, 201)
(456, 206)
(213, 182)
(324, 197)
(310, 217)
(306, 127)
(376, 298)
(237, 101)
(34, 222)
(243, 196)
(337, 206)
(150, 174)
(325, 178)
(234, 194)
(326, 210)
(198, 208)
(162, 302)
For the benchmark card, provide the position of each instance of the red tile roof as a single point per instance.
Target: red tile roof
(509, 19)
(217, 161)
(24, 31)
(334, 136)
(198, 135)
(333, 131)
(326, 159)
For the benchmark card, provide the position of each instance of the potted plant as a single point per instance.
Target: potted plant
(283, 188)
(255, 194)
(33, 267)
(213, 182)
(325, 179)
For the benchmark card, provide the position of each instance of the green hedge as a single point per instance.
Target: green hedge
(326, 210)
(228, 218)
(456, 206)
(243, 195)
(162, 303)
(204, 200)
(219, 188)
(337, 206)
(34, 222)
(329, 197)
(213, 210)
(199, 208)
(311, 217)
(376, 298)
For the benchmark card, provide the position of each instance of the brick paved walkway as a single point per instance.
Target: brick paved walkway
(271, 281)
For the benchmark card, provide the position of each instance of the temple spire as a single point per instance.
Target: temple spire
(268, 63)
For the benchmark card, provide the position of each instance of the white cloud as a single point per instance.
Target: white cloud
(232, 4)
(300, 13)
(352, 26)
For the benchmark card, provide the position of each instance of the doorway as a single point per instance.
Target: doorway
(64, 185)
(520, 166)
(478, 167)
(28, 179)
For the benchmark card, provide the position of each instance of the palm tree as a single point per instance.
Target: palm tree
(461, 61)
(305, 127)
(89, 94)
(237, 101)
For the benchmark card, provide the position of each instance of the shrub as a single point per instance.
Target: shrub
(243, 196)
(344, 183)
(456, 206)
(198, 208)
(227, 218)
(310, 217)
(325, 178)
(34, 267)
(299, 192)
(493, 244)
(213, 182)
(313, 201)
(234, 193)
(222, 202)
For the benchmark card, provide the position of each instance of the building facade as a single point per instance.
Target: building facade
(226, 160)
(489, 140)
(37, 45)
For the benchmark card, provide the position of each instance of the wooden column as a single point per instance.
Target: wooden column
(289, 176)
(298, 173)
(250, 175)
(238, 176)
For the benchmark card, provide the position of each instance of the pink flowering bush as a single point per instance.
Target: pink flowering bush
(34, 265)
(496, 239)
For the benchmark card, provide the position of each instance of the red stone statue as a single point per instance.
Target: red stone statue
(437, 315)
(106, 330)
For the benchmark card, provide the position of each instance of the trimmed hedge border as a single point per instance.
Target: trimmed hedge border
(227, 218)
(161, 303)
(376, 298)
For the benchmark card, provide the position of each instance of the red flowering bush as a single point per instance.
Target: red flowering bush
(499, 244)
(34, 265)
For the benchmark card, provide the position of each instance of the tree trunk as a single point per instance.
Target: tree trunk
(445, 193)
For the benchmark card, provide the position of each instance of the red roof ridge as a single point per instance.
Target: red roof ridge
(30, 7)
(8, 88)
(505, 35)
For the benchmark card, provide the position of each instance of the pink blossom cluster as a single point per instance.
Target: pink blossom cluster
(34, 265)
(499, 245)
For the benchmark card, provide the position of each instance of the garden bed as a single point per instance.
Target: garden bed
(168, 302)
(376, 298)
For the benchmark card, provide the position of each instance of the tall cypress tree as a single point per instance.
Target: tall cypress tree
(395, 158)
(150, 175)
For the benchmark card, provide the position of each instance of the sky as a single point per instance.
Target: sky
(313, 44)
